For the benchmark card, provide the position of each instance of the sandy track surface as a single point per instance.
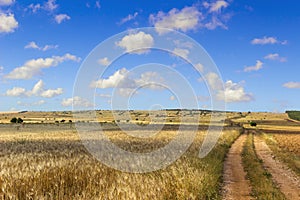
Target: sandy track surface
(287, 180)
(235, 184)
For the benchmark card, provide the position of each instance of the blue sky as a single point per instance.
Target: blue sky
(255, 45)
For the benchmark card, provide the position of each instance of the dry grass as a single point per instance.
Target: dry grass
(286, 148)
(49, 162)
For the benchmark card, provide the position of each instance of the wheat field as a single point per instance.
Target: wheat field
(48, 161)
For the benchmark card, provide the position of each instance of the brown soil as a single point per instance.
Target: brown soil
(287, 180)
(235, 184)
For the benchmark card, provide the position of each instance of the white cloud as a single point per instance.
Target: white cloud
(37, 90)
(199, 67)
(133, 41)
(50, 5)
(128, 18)
(181, 52)
(292, 85)
(185, 19)
(6, 2)
(104, 95)
(16, 91)
(104, 61)
(33, 45)
(8, 23)
(76, 101)
(183, 44)
(51, 93)
(120, 76)
(234, 92)
(217, 6)
(214, 81)
(35, 7)
(37, 103)
(33, 67)
(256, 67)
(61, 17)
(127, 85)
(267, 40)
(214, 23)
(275, 56)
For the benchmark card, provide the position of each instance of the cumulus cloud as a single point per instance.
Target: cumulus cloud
(76, 101)
(51, 93)
(234, 92)
(16, 91)
(104, 61)
(120, 76)
(268, 40)
(8, 23)
(214, 81)
(33, 67)
(126, 85)
(37, 90)
(137, 43)
(199, 67)
(216, 6)
(292, 85)
(33, 45)
(275, 56)
(128, 18)
(185, 19)
(181, 52)
(229, 91)
(6, 2)
(256, 67)
(61, 17)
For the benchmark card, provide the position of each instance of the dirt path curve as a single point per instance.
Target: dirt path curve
(235, 184)
(286, 179)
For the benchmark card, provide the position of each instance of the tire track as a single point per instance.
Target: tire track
(235, 184)
(287, 180)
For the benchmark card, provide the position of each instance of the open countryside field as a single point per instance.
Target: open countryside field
(43, 158)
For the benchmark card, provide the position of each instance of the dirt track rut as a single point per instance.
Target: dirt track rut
(235, 184)
(286, 179)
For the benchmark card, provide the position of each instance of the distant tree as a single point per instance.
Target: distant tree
(19, 120)
(14, 120)
(62, 121)
(253, 123)
(70, 121)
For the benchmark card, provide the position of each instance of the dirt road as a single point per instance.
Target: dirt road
(287, 180)
(235, 184)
